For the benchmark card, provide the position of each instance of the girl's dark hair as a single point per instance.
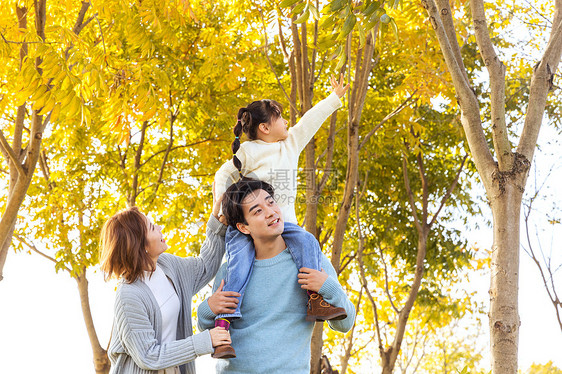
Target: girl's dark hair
(236, 193)
(123, 246)
(249, 119)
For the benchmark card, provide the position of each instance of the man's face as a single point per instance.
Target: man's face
(263, 216)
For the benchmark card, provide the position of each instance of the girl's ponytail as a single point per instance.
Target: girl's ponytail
(244, 117)
(249, 119)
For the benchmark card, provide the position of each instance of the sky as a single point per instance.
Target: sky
(42, 330)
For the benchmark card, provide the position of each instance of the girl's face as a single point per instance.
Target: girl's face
(278, 129)
(155, 242)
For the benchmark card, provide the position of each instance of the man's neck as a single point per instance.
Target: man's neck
(269, 248)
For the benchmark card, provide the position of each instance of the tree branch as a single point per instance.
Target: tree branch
(470, 111)
(329, 151)
(425, 187)
(79, 25)
(449, 192)
(387, 118)
(365, 283)
(387, 289)
(541, 84)
(138, 165)
(266, 52)
(34, 249)
(449, 27)
(496, 72)
(552, 295)
(410, 194)
(7, 150)
(168, 149)
(176, 147)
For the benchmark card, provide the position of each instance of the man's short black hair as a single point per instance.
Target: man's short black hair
(236, 193)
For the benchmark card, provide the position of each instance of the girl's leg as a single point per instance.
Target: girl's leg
(303, 246)
(240, 255)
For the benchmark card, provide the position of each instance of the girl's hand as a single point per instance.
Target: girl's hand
(311, 279)
(219, 336)
(223, 302)
(338, 87)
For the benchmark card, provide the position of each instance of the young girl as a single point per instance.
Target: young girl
(152, 329)
(271, 155)
(272, 152)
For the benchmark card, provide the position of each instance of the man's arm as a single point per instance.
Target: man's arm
(326, 284)
(218, 303)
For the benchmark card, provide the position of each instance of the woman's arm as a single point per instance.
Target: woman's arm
(197, 271)
(138, 336)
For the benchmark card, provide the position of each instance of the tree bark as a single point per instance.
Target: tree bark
(101, 360)
(504, 316)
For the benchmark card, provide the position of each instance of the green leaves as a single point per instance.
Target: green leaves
(348, 25)
(288, 3)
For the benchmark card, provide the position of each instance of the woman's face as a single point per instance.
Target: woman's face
(155, 242)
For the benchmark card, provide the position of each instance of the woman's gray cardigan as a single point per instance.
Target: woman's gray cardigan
(137, 327)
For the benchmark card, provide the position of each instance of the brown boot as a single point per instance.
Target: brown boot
(224, 351)
(319, 310)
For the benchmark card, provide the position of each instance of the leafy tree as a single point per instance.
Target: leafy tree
(502, 167)
(38, 81)
(547, 368)
(154, 123)
(366, 109)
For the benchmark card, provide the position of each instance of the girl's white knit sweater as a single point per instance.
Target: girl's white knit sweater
(277, 163)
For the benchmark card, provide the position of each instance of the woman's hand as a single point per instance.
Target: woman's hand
(223, 302)
(338, 87)
(311, 279)
(219, 336)
(217, 201)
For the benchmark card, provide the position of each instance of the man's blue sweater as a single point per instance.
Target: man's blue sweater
(273, 335)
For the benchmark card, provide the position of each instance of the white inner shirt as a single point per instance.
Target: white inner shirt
(168, 301)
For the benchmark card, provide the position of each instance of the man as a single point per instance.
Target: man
(273, 334)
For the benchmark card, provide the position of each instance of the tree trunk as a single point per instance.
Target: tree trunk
(363, 68)
(101, 361)
(504, 315)
(302, 85)
(316, 344)
(505, 180)
(391, 353)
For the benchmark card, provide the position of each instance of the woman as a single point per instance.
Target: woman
(152, 328)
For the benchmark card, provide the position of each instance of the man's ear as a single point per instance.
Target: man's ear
(243, 228)
(264, 127)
